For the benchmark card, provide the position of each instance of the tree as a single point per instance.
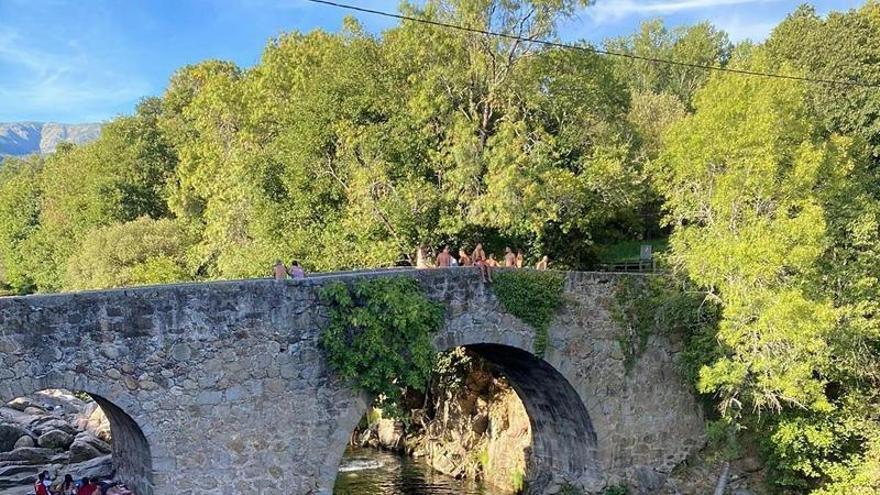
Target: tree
(19, 218)
(778, 222)
(844, 46)
(143, 251)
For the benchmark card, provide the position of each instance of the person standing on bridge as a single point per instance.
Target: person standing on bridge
(519, 258)
(279, 271)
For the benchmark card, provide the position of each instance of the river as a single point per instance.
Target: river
(371, 472)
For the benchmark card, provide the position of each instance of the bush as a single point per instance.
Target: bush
(379, 337)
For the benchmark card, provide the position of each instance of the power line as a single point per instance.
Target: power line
(590, 49)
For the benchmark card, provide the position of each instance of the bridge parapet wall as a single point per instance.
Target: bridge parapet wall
(228, 387)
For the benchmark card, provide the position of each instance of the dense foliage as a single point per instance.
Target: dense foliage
(777, 218)
(533, 297)
(348, 150)
(665, 305)
(379, 337)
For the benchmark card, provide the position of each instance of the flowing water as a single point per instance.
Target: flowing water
(371, 472)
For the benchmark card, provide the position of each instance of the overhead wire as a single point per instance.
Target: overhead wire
(591, 49)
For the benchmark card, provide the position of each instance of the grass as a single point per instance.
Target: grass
(625, 251)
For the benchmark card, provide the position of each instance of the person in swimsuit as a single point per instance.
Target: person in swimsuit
(542, 265)
(463, 258)
(444, 259)
(279, 271)
(519, 259)
(479, 258)
(509, 258)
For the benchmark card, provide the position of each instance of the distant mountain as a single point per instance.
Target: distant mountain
(25, 138)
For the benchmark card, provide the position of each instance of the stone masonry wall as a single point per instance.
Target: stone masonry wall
(231, 394)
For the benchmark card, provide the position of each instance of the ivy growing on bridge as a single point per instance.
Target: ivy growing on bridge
(533, 297)
(379, 336)
(656, 305)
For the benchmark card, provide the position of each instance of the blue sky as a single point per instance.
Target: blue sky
(89, 60)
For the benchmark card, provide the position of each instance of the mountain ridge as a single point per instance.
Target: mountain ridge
(30, 137)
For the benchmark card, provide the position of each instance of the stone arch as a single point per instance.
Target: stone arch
(563, 439)
(132, 453)
(564, 443)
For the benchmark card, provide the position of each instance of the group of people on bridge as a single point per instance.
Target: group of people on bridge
(477, 258)
(444, 259)
(86, 486)
(281, 272)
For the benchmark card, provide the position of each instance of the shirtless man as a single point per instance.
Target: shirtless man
(444, 260)
(492, 262)
(463, 258)
(479, 257)
(279, 271)
(509, 258)
(542, 265)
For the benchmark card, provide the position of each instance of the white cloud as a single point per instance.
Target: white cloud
(605, 10)
(63, 78)
(740, 29)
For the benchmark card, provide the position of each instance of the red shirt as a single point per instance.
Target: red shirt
(40, 488)
(88, 489)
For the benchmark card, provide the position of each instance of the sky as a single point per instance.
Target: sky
(79, 61)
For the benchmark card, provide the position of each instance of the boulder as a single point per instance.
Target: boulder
(35, 411)
(390, 433)
(99, 467)
(43, 424)
(20, 404)
(18, 476)
(25, 441)
(30, 455)
(55, 439)
(9, 434)
(87, 446)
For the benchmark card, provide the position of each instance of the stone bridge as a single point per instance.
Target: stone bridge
(220, 388)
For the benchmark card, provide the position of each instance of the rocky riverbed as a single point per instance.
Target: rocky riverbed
(471, 425)
(52, 430)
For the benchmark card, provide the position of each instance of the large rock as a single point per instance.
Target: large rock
(44, 424)
(21, 403)
(9, 434)
(55, 439)
(390, 434)
(25, 441)
(92, 418)
(87, 446)
(18, 476)
(31, 455)
(99, 467)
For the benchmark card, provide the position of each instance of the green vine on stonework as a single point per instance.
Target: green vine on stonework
(657, 305)
(533, 297)
(379, 337)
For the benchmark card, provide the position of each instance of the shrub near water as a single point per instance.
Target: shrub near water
(379, 336)
(532, 297)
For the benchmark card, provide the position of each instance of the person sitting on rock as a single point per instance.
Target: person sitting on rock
(67, 487)
(88, 487)
(41, 487)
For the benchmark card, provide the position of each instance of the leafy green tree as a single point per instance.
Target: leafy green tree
(842, 46)
(699, 44)
(19, 218)
(777, 221)
(143, 251)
